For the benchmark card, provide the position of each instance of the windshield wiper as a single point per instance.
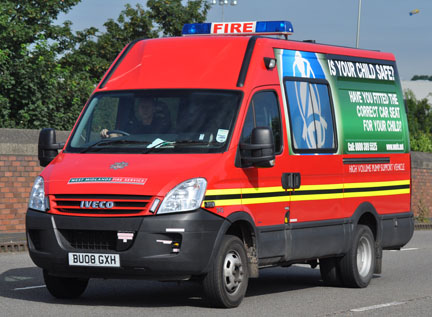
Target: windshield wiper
(109, 141)
(152, 146)
(190, 142)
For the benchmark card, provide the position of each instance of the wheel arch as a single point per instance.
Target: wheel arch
(366, 214)
(240, 224)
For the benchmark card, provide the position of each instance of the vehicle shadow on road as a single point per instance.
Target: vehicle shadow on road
(280, 279)
(27, 284)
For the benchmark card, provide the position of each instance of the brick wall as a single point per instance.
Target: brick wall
(421, 195)
(19, 166)
(17, 173)
(421, 174)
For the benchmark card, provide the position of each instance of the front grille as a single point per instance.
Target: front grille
(90, 239)
(100, 204)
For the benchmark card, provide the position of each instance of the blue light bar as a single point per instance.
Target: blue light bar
(274, 27)
(196, 28)
(239, 28)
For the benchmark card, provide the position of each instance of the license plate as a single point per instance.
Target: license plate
(94, 259)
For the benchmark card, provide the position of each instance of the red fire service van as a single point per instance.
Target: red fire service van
(215, 154)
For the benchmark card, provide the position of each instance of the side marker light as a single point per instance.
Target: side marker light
(269, 63)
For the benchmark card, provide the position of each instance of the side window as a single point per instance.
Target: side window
(310, 115)
(264, 112)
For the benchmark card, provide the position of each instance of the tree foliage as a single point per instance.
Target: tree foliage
(47, 71)
(171, 15)
(93, 52)
(421, 77)
(419, 122)
(29, 73)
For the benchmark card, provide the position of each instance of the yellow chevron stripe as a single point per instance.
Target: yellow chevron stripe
(378, 193)
(317, 197)
(320, 187)
(324, 196)
(376, 184)
(228, 191)
(224, 202)
(264, 200)
(261, 190)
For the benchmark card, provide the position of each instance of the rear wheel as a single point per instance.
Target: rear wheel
(64, 287)
(226, 283)
(358, 265)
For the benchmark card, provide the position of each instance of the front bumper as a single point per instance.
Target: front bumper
(173, 246)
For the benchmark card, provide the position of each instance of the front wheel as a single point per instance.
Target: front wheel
(64, 287)
(358, 265)
(226, 283)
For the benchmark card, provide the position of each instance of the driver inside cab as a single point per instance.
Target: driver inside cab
(144, 120)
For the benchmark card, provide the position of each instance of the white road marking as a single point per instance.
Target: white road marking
(14, 278)
(376, 306)
(409, 249)
(406, 249)
(29, 287)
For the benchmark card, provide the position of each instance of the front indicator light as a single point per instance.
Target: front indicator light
(38, 200)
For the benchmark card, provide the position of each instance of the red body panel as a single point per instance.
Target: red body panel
(180, 63)
(215, 63)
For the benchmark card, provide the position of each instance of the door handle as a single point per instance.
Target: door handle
(291, 180)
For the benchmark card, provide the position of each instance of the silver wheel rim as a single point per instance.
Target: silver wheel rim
(364, 256)
(232, 272)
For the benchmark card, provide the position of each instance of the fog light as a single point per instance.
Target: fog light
(175, 247)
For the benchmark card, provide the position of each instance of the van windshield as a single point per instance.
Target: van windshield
(157, 121)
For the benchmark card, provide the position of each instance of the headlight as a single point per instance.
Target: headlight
(37, 200)
(184, 197)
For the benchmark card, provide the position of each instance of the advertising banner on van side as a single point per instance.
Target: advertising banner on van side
(342, 104)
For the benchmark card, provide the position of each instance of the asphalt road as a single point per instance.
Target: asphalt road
(404, 289)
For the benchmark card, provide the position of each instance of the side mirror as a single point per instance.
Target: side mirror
(47, 146)
(260, 152)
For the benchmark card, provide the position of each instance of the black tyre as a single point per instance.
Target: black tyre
(226, 283)
(358, 265)
(64, 287)
(329, 269)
